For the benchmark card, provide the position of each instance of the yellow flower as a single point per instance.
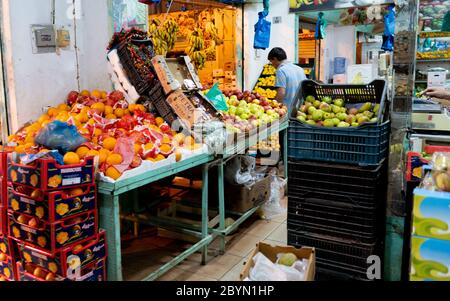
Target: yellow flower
(62, 237)
(40, 212)
(62, 209)
(54, 181)
(34, 180)
(7, 272)
(42, 241)
(16, 232)
(27, 257)
(15, 205)
(3, 247)
(53, 267)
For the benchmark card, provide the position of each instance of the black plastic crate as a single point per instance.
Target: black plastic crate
(355, 233)
(323, 274)
(339, 251)
(361, 200)
(335, 173)
(365, 145)
(341, 270)
(158, 100)
(331, 213)
(141, 83)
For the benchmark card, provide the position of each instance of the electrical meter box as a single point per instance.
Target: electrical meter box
(44, 38)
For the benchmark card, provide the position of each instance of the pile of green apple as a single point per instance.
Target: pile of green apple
(247, 110)
(334, 113)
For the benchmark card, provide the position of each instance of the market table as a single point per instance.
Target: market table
(239, 148)
(109, 208)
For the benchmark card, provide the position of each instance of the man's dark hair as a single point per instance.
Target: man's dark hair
(277, 53)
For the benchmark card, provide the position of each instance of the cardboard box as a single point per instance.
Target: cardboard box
(271, 252)
(431, 212)
(430, 259)
(360, 74)
(218, 73)
(228, 74)
(165, 76)
(229, 66)
(184, 72)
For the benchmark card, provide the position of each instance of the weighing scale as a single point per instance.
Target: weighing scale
(430, 115)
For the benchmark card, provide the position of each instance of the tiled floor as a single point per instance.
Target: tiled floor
(138, 261)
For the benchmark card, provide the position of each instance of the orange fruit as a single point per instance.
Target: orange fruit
(179, 138)
(91, 121)
(140, 108)
(165, 148)
(45, 123)
(85, 93)
(82, 151)
(137, 148)
(109, 110)
(29, 139)
(114, 159)
(96, 94)
(109, 143)
(76, 191)
(103, 154)
(52, 112)
(63, 107)
(119, 112)
(20, 149)
(131, 107)
(111, 116)
(43, 118)
(166, 140)
(178, 155)
(189, 141)
(160, 157)
(104, 95)
(37, 194)
(83, 131)
(99, 106)
(92, 153)
(126, 112)
(71, 158)
(44, 150)
(159, 121)
(113, 173)
(148, 146)
(97, 132)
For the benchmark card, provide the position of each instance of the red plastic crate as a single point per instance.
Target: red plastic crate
(53, 237)
(92, 249)
(51, 206)
(96, 271)
(3, 221)
(48, 175)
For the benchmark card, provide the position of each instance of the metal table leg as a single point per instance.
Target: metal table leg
(205, 217)
(285, 152)
(110, 221)
(221, 184)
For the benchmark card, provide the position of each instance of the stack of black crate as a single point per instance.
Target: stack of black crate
(337, 186)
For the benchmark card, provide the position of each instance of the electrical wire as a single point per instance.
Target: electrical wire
(75, 44)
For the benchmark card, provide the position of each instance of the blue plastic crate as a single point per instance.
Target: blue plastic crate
(365, 145)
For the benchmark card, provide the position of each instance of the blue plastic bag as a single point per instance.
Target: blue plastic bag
(217, 98)
(262, 31)
(320, 27)
(60, 136)
(389, 30)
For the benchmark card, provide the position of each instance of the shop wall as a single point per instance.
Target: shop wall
(39, 80)
(283, 35)
(339, 42)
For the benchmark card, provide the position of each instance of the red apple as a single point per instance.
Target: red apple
(72, 98)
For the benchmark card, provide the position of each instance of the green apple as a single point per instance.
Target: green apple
(325, 107)
(232, 110)
(375, 119)
(311, 122)
(335, 109)
(339, 102)
(239, 111)
(341, 116)
(317, 115)
(244, 116)
(327, 100)
(308, 117)
(363, 119)
(301, 118)
(242, 103)
(336, 121)
(328, 123)
(343, 124)
(328, 116)
(355, 124)
(311, 110)
(316, 104)
(310, 99)
(344, 110)
(368, 114)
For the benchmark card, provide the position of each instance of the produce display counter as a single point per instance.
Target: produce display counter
(109, 195)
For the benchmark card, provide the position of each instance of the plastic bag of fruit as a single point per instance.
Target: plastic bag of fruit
(60, 136)
(441, 171)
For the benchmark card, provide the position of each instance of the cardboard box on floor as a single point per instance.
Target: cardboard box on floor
(271, 252)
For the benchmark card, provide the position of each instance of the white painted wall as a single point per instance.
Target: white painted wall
(39, 80)
(282, 35)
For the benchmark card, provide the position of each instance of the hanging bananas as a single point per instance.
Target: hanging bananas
(196, 48)
(163, 35)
